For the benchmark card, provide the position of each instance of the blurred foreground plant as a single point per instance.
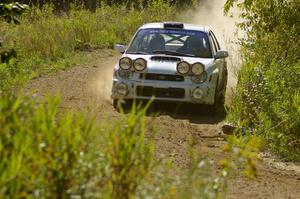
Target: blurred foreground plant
(129, 155)
(47, 154)
(40, 152)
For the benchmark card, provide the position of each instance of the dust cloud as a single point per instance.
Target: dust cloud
(102, 79)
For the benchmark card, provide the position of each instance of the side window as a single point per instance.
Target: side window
(215, 40)
(214, 46)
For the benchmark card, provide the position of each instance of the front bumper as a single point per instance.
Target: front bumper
(166, 90)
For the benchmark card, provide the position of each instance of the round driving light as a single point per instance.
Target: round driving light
(183, 67)
(197, 68)
(199, 78)
(125, 74)
(197, 93)
(125, 63)
(140, 64)
(121, 89)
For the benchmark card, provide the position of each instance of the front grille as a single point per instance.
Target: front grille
(148, 91)
(162, 77)
(165, 58)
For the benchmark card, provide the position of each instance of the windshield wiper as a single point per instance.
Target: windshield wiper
(168, 52)
(137, 53)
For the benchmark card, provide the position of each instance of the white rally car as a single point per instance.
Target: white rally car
(171, 61)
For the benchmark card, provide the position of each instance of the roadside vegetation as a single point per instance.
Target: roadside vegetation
(267, 100)
(45, 154)
(45, 41)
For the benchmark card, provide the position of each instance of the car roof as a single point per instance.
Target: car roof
(186, 26)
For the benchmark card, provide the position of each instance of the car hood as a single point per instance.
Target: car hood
(165, 64)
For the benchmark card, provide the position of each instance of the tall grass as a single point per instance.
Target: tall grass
(41, 154)
(46, 154)
(44, 38)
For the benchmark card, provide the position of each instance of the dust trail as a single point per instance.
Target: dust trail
(102, 81)
(210, 13)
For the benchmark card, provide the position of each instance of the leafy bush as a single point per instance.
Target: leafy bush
(267, 97)
(11, 12)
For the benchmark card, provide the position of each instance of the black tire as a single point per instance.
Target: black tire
(218, 107)
(115, 103)
(219, 102)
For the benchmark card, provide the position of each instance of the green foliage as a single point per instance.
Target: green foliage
(130, 159)
(268, 86)
(243, 155)
(47, 154)
(41, 153)
(43, 38)
(11, 12)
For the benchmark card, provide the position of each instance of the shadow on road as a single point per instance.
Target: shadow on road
(198, 114)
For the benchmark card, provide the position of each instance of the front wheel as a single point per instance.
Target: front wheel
(219, 101)
(115, 103)
(218, 106)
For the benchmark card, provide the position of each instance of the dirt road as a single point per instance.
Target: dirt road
(88, 88)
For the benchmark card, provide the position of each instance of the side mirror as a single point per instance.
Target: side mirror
(221, 54)
(120, 48)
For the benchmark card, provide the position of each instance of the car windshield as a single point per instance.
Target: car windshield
(171, 42)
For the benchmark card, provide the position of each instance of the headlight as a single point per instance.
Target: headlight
(125, 63)
(199, 78)
(121, 89)
(125, 74)
(140, 64)
(197, 69)
(183, 67)
(197, 93)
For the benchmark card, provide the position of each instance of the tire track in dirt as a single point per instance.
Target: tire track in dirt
(87, 87)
